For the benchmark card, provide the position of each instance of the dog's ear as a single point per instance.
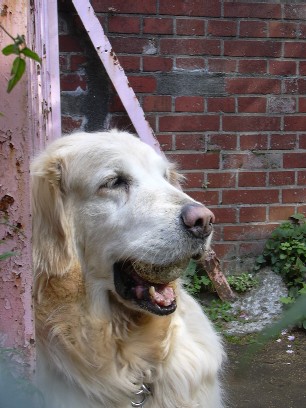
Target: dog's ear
(52, 240)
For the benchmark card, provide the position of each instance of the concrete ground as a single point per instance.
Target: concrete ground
(275, 377)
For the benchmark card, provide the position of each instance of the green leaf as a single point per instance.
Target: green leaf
(17, 72)
(11, 49)
(7, 255)
(30, 54)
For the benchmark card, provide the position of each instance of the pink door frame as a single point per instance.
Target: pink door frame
(31, 118)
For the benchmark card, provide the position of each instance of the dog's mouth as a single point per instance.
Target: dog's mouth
(150, 287)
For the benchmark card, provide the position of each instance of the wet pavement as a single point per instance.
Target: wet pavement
(274, 378)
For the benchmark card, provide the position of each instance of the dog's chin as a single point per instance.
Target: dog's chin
(151, 288)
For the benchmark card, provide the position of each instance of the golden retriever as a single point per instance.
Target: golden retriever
(112, 233)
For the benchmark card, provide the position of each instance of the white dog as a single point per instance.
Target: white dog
(112, 233)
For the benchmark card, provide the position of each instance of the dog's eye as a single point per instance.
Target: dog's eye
(116, 182)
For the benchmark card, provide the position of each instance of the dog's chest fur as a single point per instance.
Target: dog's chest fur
(106, 361)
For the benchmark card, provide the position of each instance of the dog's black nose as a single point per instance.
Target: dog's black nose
(197, 219)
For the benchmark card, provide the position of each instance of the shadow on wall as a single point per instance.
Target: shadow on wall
(89, 102)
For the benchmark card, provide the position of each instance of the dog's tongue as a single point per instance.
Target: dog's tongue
(162, 295)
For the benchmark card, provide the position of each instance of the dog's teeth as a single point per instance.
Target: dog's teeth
(152, 291)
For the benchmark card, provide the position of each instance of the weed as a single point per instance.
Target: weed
(285, 252)
(242, 283)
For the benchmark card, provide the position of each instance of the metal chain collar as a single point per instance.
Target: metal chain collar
(141, 396)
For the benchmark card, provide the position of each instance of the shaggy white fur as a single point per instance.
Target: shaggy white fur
(102, 203)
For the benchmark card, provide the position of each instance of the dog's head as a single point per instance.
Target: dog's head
(112, 202)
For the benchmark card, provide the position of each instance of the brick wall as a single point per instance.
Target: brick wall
(223, 85)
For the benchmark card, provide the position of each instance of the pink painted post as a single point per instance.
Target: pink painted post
(31, 117)
(16, 314)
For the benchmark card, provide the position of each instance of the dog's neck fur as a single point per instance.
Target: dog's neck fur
(73, 344)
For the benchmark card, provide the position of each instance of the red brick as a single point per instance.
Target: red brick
(302, 104)
(190, 142)
(251, 248)
(192, 46)
(252, 179)
(191, 8)
(294, 160)
(254, 142)
(253, 29)
(70, 124)
(193, 180)
(194, 161)
(221, 65)
(67, 43)
(127, 6)
(252, 10)
(295, 11)
(222, 28)
(250, 123)
(295, 123)
(252, 214)
(294, 195)
(142, 83)
(205, 197)
(281, 178)
(252, 105)
(280, 213)
(70, 82)
(253, 66)
(302, 178)
(188, 123)
(123, 24)
(154, 25)
(190, 63)
(301, 31)
(250, 196)
(222, 141)
(63, 62)
(301, 209)
(284, 141)
(280, 29)
(221, 180)
(225, 215)
(302, 67)
(76, 61)
(221, 104)
(247, 232)
(225, 251)
(295, 86)
(295, 49)
(155, 64)
(189, 104)
(278, 67)
(122, 122)
(190, 27)
(130, 63)
(116, 104)
(154, 103)
(249, 48)
(124, 45)
(165, 141)
(302, 142)
(253, 86)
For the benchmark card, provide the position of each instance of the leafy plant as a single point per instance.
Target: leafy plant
(285, 252)
(242, 283)
(219, 311)
(194, 280)
(19, 48)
